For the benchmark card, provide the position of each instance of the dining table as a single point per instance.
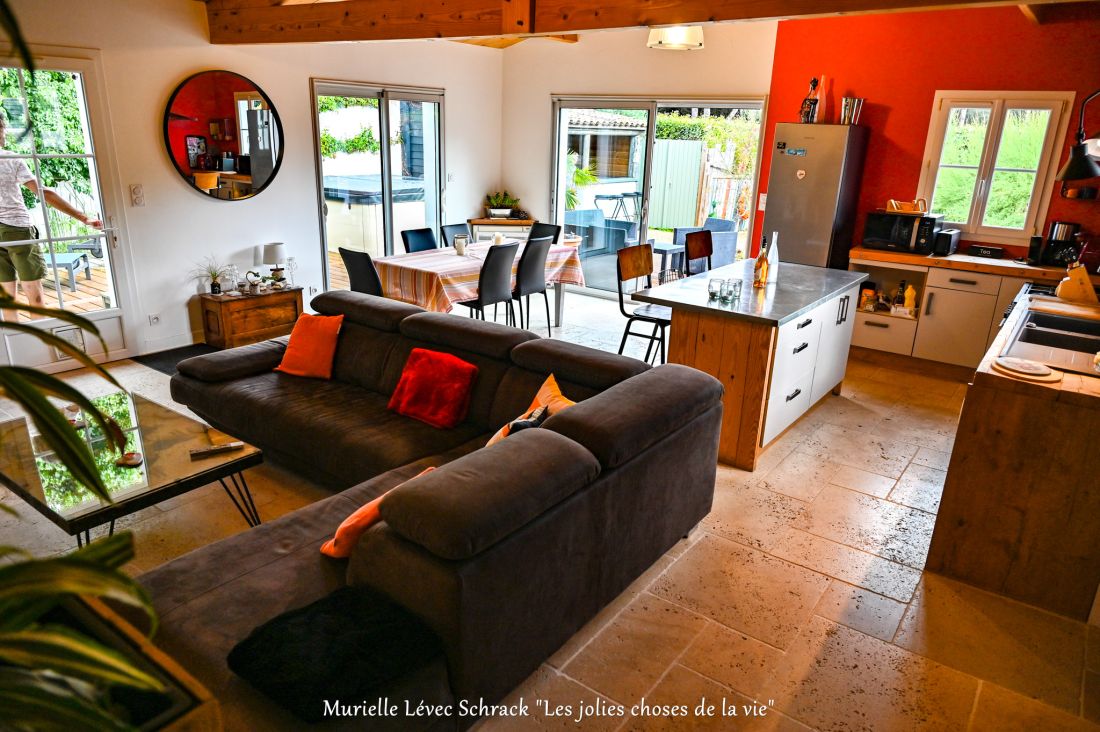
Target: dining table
(438, 279)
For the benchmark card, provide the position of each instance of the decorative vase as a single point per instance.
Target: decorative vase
(254, 288)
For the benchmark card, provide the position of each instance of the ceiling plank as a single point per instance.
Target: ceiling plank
(1034, 13)
(517, 15)
(509, 41)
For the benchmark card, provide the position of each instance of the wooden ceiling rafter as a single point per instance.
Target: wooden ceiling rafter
(498, 21)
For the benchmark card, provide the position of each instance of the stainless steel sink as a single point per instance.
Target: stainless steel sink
(1059, 341)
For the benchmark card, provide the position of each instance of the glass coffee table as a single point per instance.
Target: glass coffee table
(165, 439)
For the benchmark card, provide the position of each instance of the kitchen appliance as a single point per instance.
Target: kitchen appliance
(984, 250)
(813, 189)
(902, 232)
(918, 205)
(1062, 248)
(947, 241)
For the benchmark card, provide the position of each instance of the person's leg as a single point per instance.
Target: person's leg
(30, 267)
(7, 281)
(5, 314)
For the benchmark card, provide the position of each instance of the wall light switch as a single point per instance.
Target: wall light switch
(137, 195)
(450, 177)
(763, 201)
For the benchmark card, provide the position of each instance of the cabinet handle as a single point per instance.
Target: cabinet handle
(839, 311)
(793, 394)
(803, 347)
(847, 302)
(875, 324)
(804, 323)
(928, 303)
(957, 281)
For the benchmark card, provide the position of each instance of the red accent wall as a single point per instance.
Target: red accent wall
(207, 98)
(897, 61)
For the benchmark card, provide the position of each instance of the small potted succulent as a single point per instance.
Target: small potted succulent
(499, 205)
(212, 271)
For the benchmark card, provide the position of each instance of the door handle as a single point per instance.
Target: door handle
(804, 323)
(875, 324)
(928, 304)
(802, 348)
(794, 394)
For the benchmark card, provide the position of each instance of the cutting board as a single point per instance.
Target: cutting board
(1056, 306)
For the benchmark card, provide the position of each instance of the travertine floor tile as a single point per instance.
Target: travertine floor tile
(861, 610)
(630, 654)
(860, 480)
(909, 383)
(751, 515)
(800, 475)
(848, 564)
(898, 533)
(1000, 710)
(732, 658)
(743, 588)
(848, 412)
(932, 458)
(872, 452)
(1011, 644)
(557, 691)
(919, 487)
(835, 678)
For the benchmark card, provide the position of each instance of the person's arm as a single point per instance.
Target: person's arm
(53, 199)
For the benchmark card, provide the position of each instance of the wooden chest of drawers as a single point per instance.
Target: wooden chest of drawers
(229, 321)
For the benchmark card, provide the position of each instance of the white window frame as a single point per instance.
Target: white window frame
(998, 102)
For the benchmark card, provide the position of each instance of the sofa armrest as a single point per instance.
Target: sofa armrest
(464, 507)
(235, 363)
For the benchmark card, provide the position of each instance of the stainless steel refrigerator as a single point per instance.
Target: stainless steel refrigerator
(813, 189)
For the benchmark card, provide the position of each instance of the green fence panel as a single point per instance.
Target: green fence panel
(677, 171)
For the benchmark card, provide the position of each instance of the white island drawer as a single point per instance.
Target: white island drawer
(796, 347)
(786, 405)
(954, 279)
(884, 333)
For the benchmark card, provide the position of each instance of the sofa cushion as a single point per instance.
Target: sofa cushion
(477, 336)
(628, 418)
(235, 363)
(468, 505)
(380, 313)
(345, 430)
(434, 388)
(350, 529)
(361, 355)
(312, 346)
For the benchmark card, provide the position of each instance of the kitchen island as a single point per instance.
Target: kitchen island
(777, 350)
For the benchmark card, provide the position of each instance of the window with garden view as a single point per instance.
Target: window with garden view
(988, 163)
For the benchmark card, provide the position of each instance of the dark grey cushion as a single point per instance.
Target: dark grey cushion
(235, 363)
(476, 336)
(579, 364)
(380, 313)
(623, 421)
(468, 505)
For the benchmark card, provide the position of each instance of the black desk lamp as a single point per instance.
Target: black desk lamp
(1080, 165)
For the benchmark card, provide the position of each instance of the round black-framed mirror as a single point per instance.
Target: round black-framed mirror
(223, 135)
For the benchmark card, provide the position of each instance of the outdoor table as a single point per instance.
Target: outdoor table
(437, 279)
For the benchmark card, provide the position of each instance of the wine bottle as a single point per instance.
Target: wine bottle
(807, 114)
(760, 269)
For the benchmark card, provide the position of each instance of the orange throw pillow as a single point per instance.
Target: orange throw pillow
(549, 395)
(348, 533)
(312, 346)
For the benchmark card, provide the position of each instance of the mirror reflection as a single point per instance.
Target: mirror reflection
(223, 135)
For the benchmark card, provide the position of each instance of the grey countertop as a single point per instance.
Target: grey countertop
(792, 290)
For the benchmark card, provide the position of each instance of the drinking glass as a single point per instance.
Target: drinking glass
(714, 288)
(734, 288)
(725, 292)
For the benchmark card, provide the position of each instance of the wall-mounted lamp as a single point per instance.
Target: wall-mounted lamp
(1081, 165)
(676, 38)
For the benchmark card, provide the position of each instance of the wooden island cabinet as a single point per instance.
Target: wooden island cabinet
(229, 321)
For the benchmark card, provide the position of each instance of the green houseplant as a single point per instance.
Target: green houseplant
(499, 204)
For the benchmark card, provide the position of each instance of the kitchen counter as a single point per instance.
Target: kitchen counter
(966, 263)
(792, 290)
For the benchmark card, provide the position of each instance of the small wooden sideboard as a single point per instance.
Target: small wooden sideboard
(229, 321)
(511, 228)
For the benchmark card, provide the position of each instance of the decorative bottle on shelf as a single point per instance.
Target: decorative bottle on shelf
(911, 299)
(807, 114)
(773, 254)
(899, 296)
(821, 109)
(760, 269)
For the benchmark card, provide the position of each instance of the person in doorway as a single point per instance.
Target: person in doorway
(23, 263)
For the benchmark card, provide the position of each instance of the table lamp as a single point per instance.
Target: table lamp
(275, 255)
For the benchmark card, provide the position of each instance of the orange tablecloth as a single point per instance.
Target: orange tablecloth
(439, 278)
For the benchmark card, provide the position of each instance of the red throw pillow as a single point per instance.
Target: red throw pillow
(354, 526)
(434, 388)
(312, 346)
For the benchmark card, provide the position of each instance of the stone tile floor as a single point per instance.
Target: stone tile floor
(802, 590)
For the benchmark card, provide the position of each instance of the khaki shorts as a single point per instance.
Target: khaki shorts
(23, 260)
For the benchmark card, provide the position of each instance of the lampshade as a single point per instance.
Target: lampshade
(1080, 165)
(676, 38)
(274, 253)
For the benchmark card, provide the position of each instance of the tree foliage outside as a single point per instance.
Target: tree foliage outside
(1015, 171)
(364, 141)
(734, 139)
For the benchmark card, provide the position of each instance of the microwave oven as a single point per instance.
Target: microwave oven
(900, 232)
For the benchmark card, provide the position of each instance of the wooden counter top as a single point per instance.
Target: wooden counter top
(501, 222)
(965, 262)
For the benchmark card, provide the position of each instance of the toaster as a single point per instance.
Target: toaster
(947, 241)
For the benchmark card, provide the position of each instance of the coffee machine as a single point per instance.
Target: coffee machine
(1062, 247)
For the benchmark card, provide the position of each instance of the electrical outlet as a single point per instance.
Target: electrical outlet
(154, 318)
(137, 194)
(763, 202)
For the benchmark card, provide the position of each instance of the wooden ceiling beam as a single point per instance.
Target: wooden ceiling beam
(305, 21)
(1034, 13)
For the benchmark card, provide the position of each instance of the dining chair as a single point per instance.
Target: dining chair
(633, 263)
(494, 283)
(418, 240)
(531, 278)
(541, 231)
(698, 245)
(362, 274)
(451, 230)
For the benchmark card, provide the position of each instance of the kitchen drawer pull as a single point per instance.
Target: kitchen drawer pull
(957, 281)
(875, 324)
(804, 323)
(803, 347)
(794, 394)
(928, 304)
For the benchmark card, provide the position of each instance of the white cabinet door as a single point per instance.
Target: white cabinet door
(1010, 288)
(838, 317)
(953, 326)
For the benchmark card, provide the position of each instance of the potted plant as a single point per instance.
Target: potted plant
(499, 205)
(210, 270)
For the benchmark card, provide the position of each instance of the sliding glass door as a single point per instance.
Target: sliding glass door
(380, 154)
(651, 171)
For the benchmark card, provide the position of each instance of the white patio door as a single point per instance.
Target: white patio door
(57, 127)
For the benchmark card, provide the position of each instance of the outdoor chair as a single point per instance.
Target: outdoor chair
(632, 264)
(494, 284)
(723, 237)
(418, 240)
(362, 274)
(71, 262)
(531, 278)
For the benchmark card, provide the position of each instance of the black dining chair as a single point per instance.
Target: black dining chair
(541, 231)
(362, 274)
(494, 284)
(698, 245)
(531, 278)
(631, 264)
(418, 240)
(452, 230)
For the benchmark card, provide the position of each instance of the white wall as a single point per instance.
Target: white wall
(736, 61)
(149, 46)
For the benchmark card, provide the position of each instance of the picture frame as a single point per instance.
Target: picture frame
(196, 146)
